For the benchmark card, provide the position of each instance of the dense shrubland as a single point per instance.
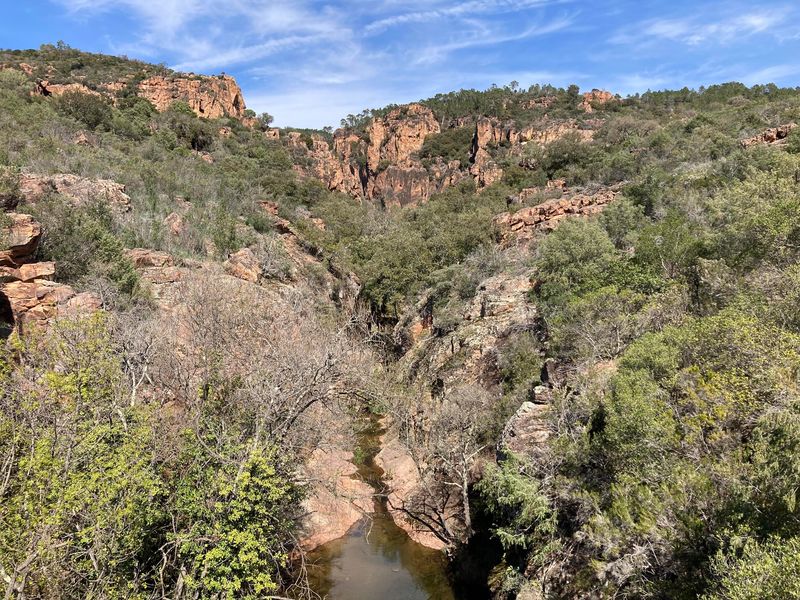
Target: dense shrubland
(674, 456)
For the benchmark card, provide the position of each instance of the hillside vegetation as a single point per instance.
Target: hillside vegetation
(660, 336)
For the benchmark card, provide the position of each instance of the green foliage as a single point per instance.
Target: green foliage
(793, 142)
(84, 501)
(238, 521)
(451, 144)
(90, 109)
(521, 362)
(523, 515)
(574, 259)
(763, 571)
(84, 244)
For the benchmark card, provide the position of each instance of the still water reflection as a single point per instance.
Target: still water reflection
(377, 560)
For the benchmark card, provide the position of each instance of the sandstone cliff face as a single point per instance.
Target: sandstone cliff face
(491, 133)
(210, 97)
(521, 227)
(382, 165)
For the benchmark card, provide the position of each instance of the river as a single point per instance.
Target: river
(377, 560)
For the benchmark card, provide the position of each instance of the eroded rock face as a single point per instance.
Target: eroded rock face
(595, 98)
(45, 88)
(521, 227)
(772, 136)
(491, 133)
(244, 265)
(210, 97)
(499, 307)
(381, 166)
(528, 429)
(26, 285)
(337, 499)
(399, 135)
(79, 190)
(20, 237)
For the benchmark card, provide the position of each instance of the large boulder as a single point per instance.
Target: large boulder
(79, 190)
(20, 236)
(244, 265)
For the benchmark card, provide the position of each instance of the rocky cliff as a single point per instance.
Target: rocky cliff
(383, 165)
(210, 97)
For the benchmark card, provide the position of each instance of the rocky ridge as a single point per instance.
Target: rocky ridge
(209, 97)
(521, 226)
(382, 164)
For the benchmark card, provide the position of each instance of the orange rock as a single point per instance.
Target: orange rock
(40, 270)
(79, 190)
(244, 265)
(21, 238)
(144, 257)
(774, 135)
(45, 88)
(210, 97)
(175, 223)
(521, 226)
(595, 98)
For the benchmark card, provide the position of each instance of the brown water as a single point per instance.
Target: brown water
(377, 560)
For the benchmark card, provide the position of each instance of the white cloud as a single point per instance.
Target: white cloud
(462, 9)
(705, 28)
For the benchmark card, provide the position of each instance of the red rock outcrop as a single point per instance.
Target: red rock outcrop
(244, 265)
(381, 166)
(772, 136)
(45, 88)
(596, 98)
(144, 257)
(210, 97)
(521, 226)
(20, 238)
(41, 300)
(25, 284)
(491, 133)
(79, 190)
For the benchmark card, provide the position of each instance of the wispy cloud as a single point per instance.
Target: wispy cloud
(309, 62)
(465, 9)
(485, 37)
(704, 28)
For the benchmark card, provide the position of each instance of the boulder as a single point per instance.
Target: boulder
(244, 265)
(175, 223)
(20, 237)
(771, 136)
(144, 257)
(79, 190)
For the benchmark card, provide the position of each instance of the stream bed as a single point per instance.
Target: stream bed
(377, 560)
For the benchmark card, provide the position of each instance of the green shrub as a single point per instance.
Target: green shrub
(90, 109)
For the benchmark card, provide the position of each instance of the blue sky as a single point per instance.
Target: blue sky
(311, 62)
